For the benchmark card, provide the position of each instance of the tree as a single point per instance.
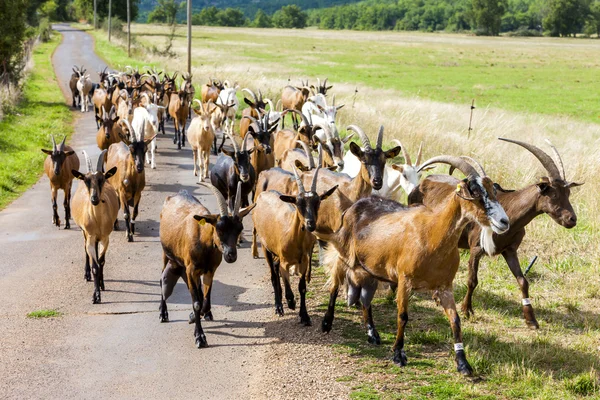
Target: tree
(262, 20)
(12, 35)
(84, 9)
(566, 17)
(488, 15)
(290, 16)
(165, 12)
(207, 16)
(594, 18)
(231, 17)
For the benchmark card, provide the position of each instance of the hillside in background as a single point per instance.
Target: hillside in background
(248, 7)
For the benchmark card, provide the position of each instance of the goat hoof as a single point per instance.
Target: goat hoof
(400, 358)
(291, 304)
(130, 238)
(279, 310)
(201, 341)
(208, 316)
(533, 324)
(96, 299)
(102, 286)
(467, 310)
(373, 338)
(462, 365)
(87, 277)
(163, 317)
(67, 226)
(530, 317)
(305, 320)
(326, 325)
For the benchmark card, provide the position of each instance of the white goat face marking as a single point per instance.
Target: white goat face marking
(494, 211)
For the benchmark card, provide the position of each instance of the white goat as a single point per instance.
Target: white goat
(395, 176)
(84, 87)
(229, 104)
(151, 127)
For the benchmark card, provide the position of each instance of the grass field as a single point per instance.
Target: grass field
(533, 93)
(42, 112)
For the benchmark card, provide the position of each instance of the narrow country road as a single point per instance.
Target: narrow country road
(118, 349)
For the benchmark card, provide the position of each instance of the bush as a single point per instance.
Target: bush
(116, 26)
(45, 30)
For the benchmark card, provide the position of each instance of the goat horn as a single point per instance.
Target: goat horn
(131, 131)
(298, 181)
(245, 142)
(475, 164)
(88, 162)
(320, 158)
(544, 158)
(61, 147)
(559, 158)
(407, 159)
(235, 146)
(103, 112)
(270, 103)
(54, 146)
(250, 118)
(220, 199)
(250, 92)
(361, 134)
(454, 161)
(419, 153)
(380, 137)
(238, 200)
(313, 186)
(325, 129)
(260, 96)
(100, 162)
(333, 101)
(311, 160)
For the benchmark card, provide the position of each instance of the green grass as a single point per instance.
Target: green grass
(41, 112)
(43, 313)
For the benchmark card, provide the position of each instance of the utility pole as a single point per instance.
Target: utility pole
(95, 13)
(128, 29)
(189, 36)
(109, 21)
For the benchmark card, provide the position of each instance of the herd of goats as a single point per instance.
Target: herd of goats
(346, 203)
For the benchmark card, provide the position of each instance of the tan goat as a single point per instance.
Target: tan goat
(58, 165)
(95, 208)
(201, 137)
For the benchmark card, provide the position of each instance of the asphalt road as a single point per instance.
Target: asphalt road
(118, 349)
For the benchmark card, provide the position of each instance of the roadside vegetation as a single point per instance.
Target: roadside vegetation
(44, 313)
(41, 112)
(420, 86)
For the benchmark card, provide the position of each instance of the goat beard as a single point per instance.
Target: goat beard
(486, 238)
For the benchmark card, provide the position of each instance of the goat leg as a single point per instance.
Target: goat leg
(446, 299)
(367, 293)
(168, 280)
(513, 263)
(289, 293)
(127, 217)
(197, 300)
(207, 281)
(55, 217)
(254, 247)
(275, 281)
(304, 317)
(327, 322)
(87, 271)
(467, 303)
(67, 204)
(402, 295)
(91, 247)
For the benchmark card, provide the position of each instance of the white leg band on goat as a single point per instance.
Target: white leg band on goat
(459, 346)
(526, 302)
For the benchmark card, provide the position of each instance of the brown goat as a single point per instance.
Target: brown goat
(58, 165)
(285, 139)
(95, 208)
(110, 130)
(284, 233)
(178, 110)
(194, 241)
(549, 196)
(211, 90)
(201, 137)
(426, 257)
(293, 98)
(130, 178)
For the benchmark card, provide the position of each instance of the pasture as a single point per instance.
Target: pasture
(420, 87)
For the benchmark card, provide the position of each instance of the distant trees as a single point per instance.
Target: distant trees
(84, 9)
(212, 16)
(262, 20)
(290, 16)
(12, 36)
(488, 15)
(566, 17)
(165, 11)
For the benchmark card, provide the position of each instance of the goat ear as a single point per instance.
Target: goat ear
(197, 111)
(110, 172)
(340, 106)
(543, 184)
(287, 199)
(328, 193)
(245, 211)
(301, 167)
(398, 167)
(332, 168)
(249, 102)
(49, 152)
(77, 174)
(428, 168)
(251, 150)
(328, 87)
(356, 150)
(573, 184)
(202, 219)
(69, 153)
(148, 140)
(393, 152)
(347, 137)
(228, 153)
(115, 119)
